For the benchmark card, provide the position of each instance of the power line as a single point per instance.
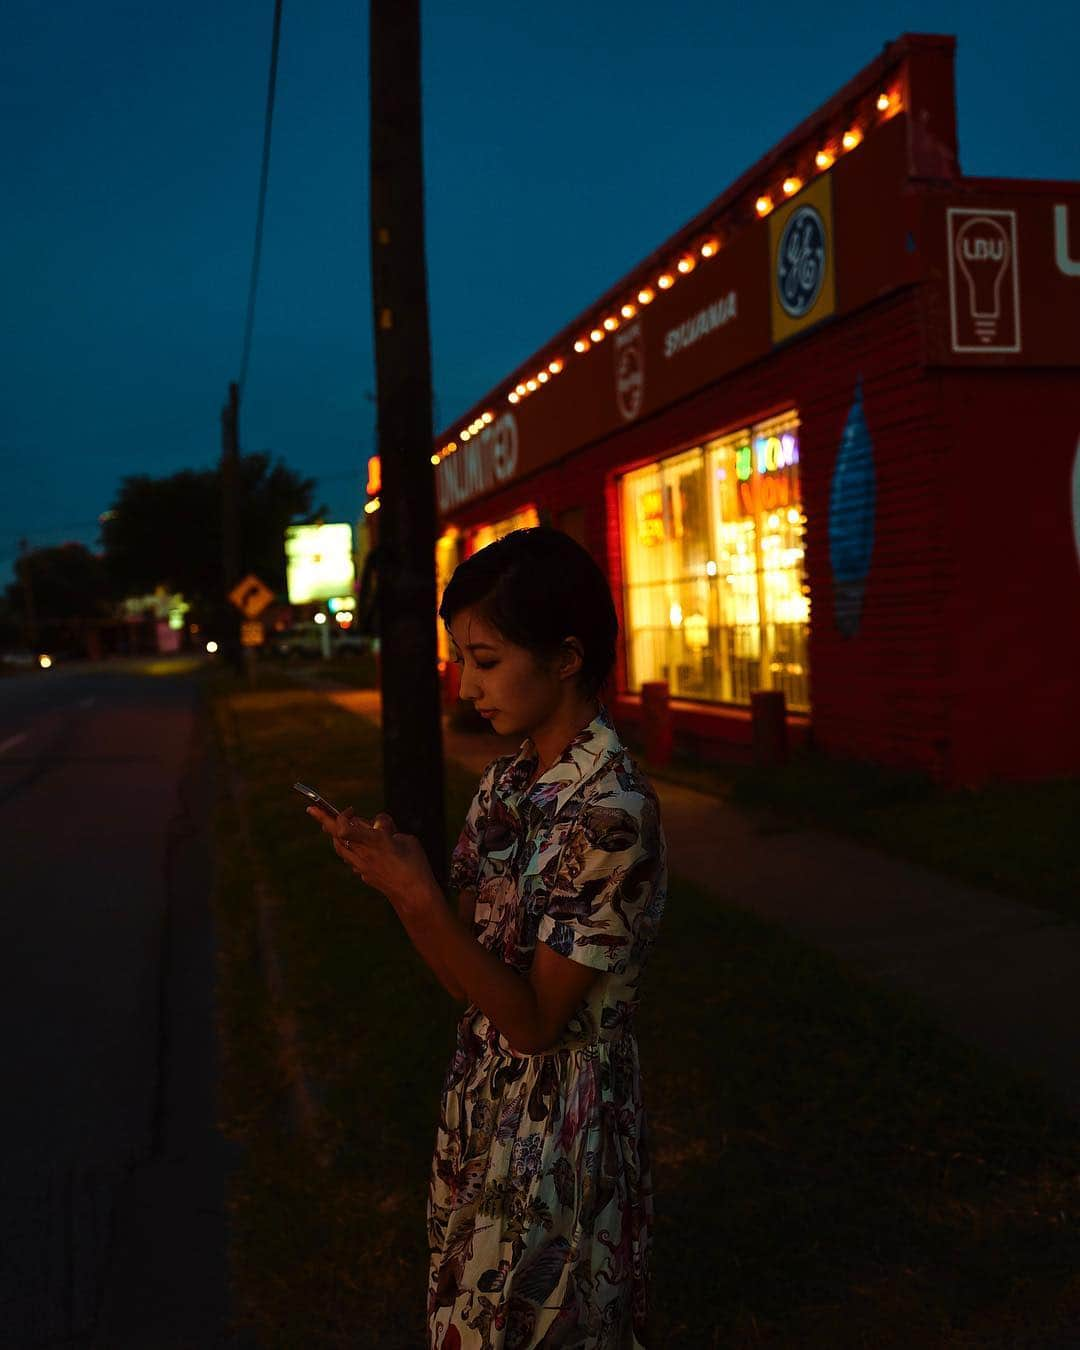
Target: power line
(267, 127)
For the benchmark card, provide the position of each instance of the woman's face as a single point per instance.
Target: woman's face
(503, 679)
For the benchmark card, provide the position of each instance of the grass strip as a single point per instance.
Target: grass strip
(830, 1167)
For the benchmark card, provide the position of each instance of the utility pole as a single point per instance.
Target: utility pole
(411, 712)
(29, 614)
(230, 525)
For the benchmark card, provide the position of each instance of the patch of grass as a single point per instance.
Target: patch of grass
(1017, 839)
(829, 1167)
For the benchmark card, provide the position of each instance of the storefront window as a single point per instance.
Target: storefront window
(487, 534)
(716, 599)
(447, 557)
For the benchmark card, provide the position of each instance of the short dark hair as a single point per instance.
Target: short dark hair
(537, 587)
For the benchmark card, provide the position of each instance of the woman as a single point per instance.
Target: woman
(540, 1204)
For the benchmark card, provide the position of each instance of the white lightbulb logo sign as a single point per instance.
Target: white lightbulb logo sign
(983, 254)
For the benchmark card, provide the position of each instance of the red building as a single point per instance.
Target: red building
(825, 440)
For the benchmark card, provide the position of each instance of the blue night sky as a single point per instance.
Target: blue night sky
(562, 145)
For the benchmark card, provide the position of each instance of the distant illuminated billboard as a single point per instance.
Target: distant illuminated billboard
(318, 562)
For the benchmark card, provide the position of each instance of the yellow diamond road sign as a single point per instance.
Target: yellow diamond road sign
(251, 596)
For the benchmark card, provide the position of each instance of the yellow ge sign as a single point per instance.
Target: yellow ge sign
(802, 261)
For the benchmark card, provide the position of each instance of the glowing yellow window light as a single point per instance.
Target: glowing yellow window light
(645, 295)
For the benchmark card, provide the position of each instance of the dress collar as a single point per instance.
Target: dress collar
(589, 751)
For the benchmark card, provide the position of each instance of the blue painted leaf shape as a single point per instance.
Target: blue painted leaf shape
(852, 515)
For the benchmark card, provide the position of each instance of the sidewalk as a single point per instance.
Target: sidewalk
(1003, 976)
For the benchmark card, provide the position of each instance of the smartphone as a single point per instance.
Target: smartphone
(314, 799)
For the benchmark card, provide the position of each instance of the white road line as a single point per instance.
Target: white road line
(12, 742)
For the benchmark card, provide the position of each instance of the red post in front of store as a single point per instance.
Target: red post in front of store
(656, 722)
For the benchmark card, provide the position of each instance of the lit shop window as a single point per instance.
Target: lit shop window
(487, 534)
(716, 599)
(447, 557)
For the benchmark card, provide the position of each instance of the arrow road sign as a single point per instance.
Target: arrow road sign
(251, 596)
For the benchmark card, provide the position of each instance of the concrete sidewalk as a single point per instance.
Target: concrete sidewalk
(1003, 976)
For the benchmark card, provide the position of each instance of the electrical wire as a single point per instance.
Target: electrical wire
(267, 128)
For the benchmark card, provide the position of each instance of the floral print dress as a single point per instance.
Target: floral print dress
(540, 1206)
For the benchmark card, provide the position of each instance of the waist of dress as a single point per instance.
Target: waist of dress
(621, 1038)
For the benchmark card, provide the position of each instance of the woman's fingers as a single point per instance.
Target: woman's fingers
(327, 822)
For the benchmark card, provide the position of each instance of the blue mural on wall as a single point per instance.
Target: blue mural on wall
(852, 511)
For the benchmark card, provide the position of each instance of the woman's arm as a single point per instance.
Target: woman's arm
(466, 908)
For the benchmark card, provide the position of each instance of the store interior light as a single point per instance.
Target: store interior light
(645, 295)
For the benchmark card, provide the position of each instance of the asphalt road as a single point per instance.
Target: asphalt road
(111, 1169)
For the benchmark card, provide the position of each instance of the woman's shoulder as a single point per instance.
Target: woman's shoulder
(622, 786)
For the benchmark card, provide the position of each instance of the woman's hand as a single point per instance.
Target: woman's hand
(392, 863)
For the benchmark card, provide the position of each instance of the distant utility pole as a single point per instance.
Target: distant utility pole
(230, 524)
(29, 615)
(411, 713)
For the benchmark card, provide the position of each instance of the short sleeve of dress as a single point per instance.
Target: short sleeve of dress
(465, 859)
(608, 871)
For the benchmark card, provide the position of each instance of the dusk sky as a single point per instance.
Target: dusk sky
(562, 145)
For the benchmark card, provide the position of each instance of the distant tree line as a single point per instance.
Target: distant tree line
(159, 532)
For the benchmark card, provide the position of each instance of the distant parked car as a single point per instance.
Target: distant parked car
(27, 660)
(304, 640)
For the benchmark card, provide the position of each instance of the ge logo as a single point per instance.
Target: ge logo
(800, 262)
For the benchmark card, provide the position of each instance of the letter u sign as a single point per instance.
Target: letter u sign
(1069, 267)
